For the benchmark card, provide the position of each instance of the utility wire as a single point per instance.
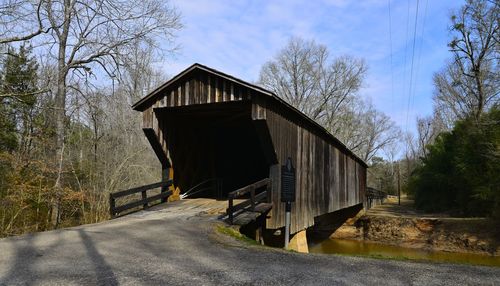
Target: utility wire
(406, 51)
(412, 60)
(392, 70)
(419, 54)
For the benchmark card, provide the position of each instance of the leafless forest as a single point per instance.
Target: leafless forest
(71, 69)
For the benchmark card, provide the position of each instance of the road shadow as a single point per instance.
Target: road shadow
(22, 266)
(27, 255)
(325, 225)
(104, 272)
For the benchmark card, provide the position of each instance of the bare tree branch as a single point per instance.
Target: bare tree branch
(469, 84)
(326, 91)
(29, 36)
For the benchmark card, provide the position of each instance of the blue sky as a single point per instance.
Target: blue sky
(238, 37)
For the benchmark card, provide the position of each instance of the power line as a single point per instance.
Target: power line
(412, 60)
(406, 51)
(392, 70)
(419, 53)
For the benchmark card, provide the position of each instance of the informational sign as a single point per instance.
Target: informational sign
(288, 182)
(287, 194)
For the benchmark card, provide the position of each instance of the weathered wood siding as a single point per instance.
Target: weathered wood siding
(328, 179)
(195, 88)
(198, 88)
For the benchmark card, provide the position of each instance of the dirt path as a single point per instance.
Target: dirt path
(169, 247)
(406, 209)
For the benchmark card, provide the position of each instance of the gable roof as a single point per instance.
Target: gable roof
(142, 104)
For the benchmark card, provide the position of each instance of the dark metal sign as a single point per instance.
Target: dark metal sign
(288, 182)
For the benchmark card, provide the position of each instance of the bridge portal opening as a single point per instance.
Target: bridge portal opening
(214, 148)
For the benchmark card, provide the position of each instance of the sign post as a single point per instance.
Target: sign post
(288, 210)
(287, 194)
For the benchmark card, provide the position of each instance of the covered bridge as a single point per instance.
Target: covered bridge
(205, 125)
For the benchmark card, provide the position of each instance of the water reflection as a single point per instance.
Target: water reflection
(354, 247)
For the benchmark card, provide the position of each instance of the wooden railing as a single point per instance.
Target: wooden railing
(374, 194)
(250, 203)
(144, 201)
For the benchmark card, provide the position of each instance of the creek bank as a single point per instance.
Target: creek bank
(435, 234)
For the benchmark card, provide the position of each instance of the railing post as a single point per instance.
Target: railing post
(144, 197)
(268, 192)
(230, 211)
(165, 176)
(252, 198)
(111, 205)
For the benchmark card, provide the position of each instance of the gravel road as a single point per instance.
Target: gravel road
(176, 245)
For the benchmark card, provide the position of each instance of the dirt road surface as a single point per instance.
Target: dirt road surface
(177, 245)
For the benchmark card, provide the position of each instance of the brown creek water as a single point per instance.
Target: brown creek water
(354, 247)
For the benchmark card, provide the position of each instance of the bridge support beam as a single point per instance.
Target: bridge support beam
(160, 152)
(299, 242)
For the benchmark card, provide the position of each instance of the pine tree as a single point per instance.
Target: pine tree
(18, 90)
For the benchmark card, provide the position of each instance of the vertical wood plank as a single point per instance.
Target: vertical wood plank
(175, 97)
(212, 89)
(184, 93)
(206, 89)
(237, 89)
(209, 89)
(179, 96)
(171, 99)
(223, 90)
(232, 92)
(193, 90)
(218, 90)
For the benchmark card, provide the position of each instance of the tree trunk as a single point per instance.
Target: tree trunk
(60, 111)
(480, 96)
(60, 115)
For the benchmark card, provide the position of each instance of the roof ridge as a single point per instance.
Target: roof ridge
(137, 106)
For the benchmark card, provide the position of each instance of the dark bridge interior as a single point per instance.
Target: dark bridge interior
(213, 141)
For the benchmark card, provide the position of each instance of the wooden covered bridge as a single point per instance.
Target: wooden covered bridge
(215, 134)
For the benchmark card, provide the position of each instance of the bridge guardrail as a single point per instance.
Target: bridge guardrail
(145, 200)
(252, 202)
(374, 194)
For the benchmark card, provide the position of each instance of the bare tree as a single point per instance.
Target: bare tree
(325, 90)
(469, 83)
(303, 75)
(293, 74)
(379, 132)
(428, 128)
(87, 39)
(346, 124)
(138, 76)
(17, 18)
(337, 84)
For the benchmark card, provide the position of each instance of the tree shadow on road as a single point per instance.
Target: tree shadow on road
(27, 264)
(103, 271)
(27, 255)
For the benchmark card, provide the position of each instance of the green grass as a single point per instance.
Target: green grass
(229, 231)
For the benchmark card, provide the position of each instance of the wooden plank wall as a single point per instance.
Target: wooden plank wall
(195, 88)
(327, 178)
